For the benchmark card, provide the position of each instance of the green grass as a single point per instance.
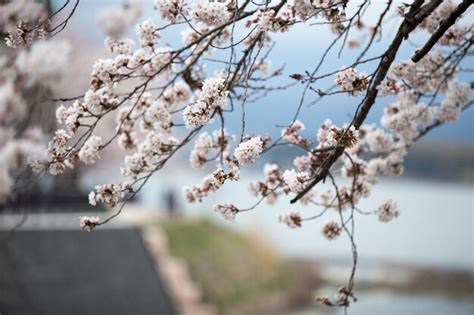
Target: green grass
(232, 269)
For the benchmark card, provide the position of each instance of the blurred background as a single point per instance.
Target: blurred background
(421, 263)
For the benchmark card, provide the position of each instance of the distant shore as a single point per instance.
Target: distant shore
(439, 161)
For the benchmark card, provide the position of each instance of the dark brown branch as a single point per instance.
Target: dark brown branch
(414, 17)
(443, 27)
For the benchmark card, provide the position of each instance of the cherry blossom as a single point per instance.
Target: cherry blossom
(88, 223)
(387, 211)
(169, 98)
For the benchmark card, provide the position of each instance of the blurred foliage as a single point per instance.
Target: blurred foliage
(232, 269)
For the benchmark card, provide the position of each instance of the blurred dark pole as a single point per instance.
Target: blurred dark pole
(171, 202)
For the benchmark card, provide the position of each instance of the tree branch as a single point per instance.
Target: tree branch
(414, 17)
(443, 27)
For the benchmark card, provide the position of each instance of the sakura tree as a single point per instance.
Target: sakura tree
(164, 99)
(27, 79)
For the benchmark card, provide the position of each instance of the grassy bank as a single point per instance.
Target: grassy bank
(237, 273)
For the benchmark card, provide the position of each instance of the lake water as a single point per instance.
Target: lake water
(435, 227)
(412, 304)
(387, 303)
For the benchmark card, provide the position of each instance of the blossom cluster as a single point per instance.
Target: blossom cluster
(40, 66)
(169, 9)
(210, 183)
(427, 75)
(207, 144)
(211, 13)
(248, 151)
(387, 211)
(24, 21)
(155, 147)
(292, 219)
(352, 82)
(442, 12)
(267, 20)
(268, 188)
(244, 154)
(89, 152)
(109, 194)
(331, 230)
(341, 299)
(408, 116)
(291, 135)
(360, 175)
(228, 211)
(296, 181)
(88, 223)
(147, 33)
(213, 96)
